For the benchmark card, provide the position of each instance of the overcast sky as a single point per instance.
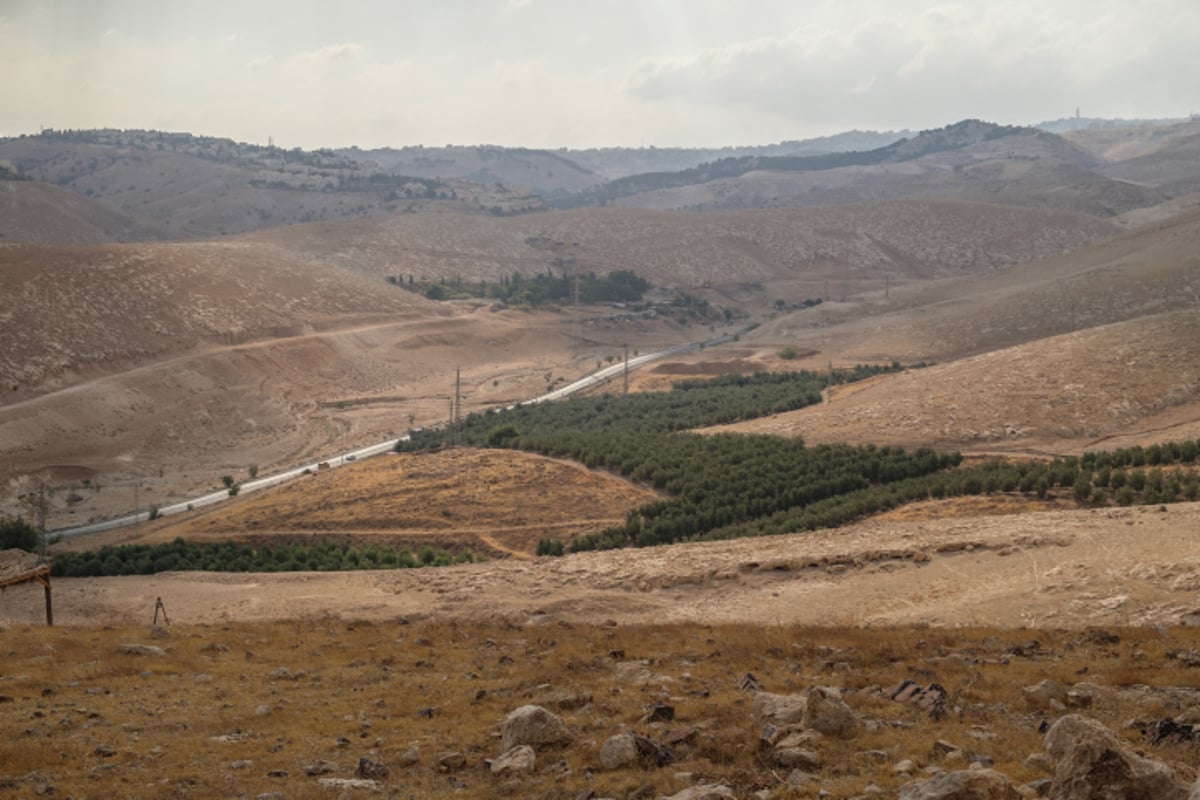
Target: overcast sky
(576, 73)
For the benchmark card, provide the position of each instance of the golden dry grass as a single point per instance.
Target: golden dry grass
(240, 709)
(486, 500)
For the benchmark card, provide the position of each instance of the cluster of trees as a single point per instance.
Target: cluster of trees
(618, 286)
(16, 532)
(728, 485)
(227, 556)
(601, 418)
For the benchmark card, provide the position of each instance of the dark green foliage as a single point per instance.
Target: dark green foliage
(144, 559)
(549, 547)
(726, 485)
(690, 404)
(16, 532)
(502, 435)
(618, 286)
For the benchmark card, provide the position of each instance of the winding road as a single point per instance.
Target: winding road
(597, 378)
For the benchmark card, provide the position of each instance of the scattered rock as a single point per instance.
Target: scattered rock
(350, 783)
(370, 770)
(410, 757)
(564, 701)
(619, 751)
(661, 712)
(1040, 696)
(214, 647)
(777, 709)
(141, 650)
(826, 712)
(449, 762)
(521, 758)
(972, 784)
(704, 792)
(320, 768)
(1090, 763)
(798, 758)
(535, 726)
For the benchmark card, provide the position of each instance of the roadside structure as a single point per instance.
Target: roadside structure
(17, 567)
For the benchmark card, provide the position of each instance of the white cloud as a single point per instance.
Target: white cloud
(1000, 60)
(326, 54)
(518, 72)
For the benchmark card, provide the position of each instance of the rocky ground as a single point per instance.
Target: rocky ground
(321, 707)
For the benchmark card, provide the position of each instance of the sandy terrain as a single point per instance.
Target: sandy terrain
(1137, 566)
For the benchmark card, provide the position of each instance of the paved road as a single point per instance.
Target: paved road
(595, 379)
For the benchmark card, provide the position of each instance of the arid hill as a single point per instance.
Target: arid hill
(1027, 168)
(195, 187)
(32, 211)
(1151, 270)
(731, 252)
(546, 172)
(1132, 382)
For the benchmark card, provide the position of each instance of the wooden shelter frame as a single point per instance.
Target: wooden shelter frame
(29, 574)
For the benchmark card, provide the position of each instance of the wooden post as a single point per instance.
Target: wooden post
(45, 581)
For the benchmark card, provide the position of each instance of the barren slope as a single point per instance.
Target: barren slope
(905, 239)
(31, 211)
(500, 502)
(1152, 270)
(74, 312)
(1138, 379)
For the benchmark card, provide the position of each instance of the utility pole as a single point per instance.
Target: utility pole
(457, 394)
(626, 371)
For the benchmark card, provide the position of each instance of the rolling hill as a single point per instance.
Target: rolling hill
(191, 187)
(1059, 354)
(32, 211)
(545, 172)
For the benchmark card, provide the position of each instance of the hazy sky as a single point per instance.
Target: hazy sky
(550, 73)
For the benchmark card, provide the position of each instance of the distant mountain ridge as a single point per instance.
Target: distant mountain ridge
(620, 162)
(951, 137)
(199, 186)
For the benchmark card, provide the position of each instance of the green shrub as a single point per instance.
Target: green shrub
(549, 547)
(15, 532)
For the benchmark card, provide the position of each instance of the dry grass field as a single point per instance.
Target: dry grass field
(292, 708)
(494, 503)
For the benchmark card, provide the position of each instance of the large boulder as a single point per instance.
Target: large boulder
(968, 784)
(826, 712)
(619, 751)
(1091, 763)
(777, 709)
(534, 726)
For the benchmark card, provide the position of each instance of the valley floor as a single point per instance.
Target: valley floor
(1077, 568)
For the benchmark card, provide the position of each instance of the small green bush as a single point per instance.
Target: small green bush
(16, 532)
